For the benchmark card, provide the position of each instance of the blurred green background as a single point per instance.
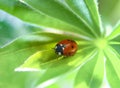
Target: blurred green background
(110, 11)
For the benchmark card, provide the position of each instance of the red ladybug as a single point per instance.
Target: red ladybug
(66, 47)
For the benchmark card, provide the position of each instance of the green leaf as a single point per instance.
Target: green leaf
(14, 54)
(25, 46)
(8, 4)
(115, 33)
(38, 60)
(90, 75)
(87, 12)
(112, 67)
(93, 8)
(65, 65)
(28, 37)
(64, 81)
(115, 48)
(26, 13)
(114, 40)
(12, 28)
(62, 13)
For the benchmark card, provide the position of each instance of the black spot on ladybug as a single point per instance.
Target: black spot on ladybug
(68, 40)
(72, 46)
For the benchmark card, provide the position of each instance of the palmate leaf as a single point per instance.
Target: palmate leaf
(50, 21)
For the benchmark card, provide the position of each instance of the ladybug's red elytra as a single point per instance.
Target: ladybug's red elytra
(66, 47)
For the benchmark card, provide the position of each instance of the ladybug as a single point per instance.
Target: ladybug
(66, 47)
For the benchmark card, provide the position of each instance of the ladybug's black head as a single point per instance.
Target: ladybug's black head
(59, 49)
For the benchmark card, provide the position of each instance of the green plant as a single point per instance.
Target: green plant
(43, 23)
